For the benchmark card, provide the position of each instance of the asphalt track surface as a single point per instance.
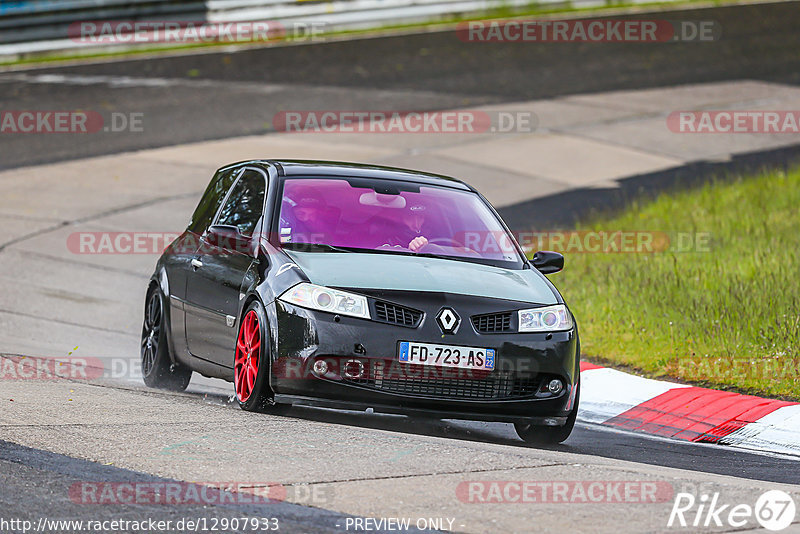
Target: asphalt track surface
(223, 94)
(30, 477)
(219, 94)
(366, 465)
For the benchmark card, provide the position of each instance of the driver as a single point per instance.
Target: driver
(410, 233)
(309, 210)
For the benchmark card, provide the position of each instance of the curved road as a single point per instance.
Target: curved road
(332, 465)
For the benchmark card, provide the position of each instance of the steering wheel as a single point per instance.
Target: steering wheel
(387, 246)
(449, 242)
(445, 241)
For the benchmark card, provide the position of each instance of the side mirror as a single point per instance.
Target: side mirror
(229, 237)
(548, 262)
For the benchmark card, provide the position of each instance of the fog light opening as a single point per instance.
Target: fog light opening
(320, 367)
(353, 369)
(555, 386)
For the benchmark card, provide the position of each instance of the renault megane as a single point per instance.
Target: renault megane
(355, 286)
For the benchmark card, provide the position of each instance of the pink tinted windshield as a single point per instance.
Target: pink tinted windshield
(410, 218)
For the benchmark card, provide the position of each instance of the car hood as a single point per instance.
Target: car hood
(409, 273)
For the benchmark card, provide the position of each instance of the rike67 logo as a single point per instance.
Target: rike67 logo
(774, 510)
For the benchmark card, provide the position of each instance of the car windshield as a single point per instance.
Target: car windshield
(383, 216)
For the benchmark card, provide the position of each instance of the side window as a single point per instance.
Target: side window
(210, 201)
(245, 205)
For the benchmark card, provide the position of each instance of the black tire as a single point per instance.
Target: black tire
(258, 396)
(549, 435)
(158, 370)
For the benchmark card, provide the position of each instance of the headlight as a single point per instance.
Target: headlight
(547, 319)
(326, 299)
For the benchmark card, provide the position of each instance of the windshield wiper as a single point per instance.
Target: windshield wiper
(313, 247)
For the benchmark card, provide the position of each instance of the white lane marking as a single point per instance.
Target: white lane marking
(606, 393)
(134, 81)
(113, 81)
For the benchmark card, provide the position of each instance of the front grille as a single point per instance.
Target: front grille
(422, 380)
(492, 323)
(394, 314)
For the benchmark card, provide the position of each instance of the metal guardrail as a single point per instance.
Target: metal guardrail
(36, 26)
(22, 7)
(37, 20)
(353, 14)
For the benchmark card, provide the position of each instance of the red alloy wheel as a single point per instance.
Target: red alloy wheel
(248, 348)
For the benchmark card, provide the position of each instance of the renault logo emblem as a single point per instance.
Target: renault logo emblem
(448, 320)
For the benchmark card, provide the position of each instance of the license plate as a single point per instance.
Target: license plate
(446, 355)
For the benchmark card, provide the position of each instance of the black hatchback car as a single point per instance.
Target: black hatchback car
(356, 286)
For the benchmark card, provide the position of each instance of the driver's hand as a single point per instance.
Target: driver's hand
(417, 243)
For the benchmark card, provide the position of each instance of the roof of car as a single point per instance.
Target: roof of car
(359, 170)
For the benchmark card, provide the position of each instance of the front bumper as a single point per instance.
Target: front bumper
(512, 392)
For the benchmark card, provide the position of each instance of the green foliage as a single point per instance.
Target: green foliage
(727, 314)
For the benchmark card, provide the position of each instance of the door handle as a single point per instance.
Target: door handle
(196, 264)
